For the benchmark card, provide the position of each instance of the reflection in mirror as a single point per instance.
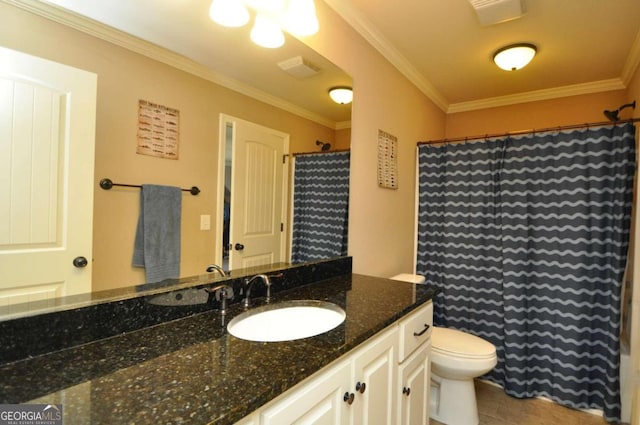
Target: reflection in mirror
(231, 77)
(258, 187)
(320, 206)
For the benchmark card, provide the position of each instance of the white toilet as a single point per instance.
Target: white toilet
(456, 359)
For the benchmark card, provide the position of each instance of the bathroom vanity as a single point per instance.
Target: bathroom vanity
(386, 378)
(190, 370)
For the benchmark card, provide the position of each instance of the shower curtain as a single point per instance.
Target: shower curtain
(527, 238)
(320, 206)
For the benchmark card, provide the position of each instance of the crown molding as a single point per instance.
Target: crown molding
(362, 25)
(365, 28)
(537, 95)
(369, 32)
(152, 51)
(343, 125)
(633, 61)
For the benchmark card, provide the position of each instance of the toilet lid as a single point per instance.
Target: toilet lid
(460, 344)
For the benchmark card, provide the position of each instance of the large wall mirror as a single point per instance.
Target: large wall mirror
(188, 63)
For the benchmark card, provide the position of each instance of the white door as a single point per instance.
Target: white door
(257, 195)
(47, 135)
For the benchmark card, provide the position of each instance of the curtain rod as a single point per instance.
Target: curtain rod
(317, 153)
(533, 131)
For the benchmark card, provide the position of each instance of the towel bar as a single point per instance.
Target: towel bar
(107, 184)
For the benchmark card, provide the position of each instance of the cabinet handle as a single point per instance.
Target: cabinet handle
(361, 387)
(348, 397)
(426, 327)
(406, 391)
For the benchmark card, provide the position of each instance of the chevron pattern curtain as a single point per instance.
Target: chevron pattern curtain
(320, 206)
(527, 237)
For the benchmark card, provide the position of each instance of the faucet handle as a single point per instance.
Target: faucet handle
(225, 291)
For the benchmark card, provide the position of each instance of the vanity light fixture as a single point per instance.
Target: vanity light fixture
(297, 17)
(229, 13)
(341, 94)
(515, 56)
(266, 32)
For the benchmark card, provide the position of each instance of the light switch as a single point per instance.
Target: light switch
(205, 222)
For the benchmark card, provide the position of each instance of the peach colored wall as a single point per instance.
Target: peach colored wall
(525, 116)
(342, 140)
(125, 77)
(633, 93)
(381, 221)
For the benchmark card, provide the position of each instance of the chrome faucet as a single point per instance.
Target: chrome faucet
(216, 268)
(248, 284)
(224, 291)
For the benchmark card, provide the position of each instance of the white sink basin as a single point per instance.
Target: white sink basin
(286, 321)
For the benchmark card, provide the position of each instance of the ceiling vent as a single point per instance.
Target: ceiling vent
(299, 67)
(496, 11)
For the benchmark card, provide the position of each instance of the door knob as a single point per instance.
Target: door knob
(80, 262)
(239, 247)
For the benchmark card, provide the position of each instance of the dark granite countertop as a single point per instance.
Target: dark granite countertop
(191, 371)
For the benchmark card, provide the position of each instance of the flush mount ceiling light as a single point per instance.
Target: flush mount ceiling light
(515, 56)
(297, 17)
(341, 95)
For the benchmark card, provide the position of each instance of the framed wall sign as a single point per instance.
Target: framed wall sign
(387, 160)
(158, 130)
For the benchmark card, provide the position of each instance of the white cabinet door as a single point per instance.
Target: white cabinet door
(252, 419)
(318, 402)
(374, 366)
(414, 379)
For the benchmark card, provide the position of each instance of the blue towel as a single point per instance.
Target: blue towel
(157, 244)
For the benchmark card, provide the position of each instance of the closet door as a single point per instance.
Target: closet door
(47, 134)
(258, 195)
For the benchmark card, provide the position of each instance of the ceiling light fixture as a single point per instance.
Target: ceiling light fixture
(341, 94)
(515, 56)
(297, 17)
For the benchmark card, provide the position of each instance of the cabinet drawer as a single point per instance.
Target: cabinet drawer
(414, 330)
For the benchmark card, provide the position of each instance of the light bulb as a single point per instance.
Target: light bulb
(229, 13)
(300, 18)
(266, 33)
(266, 5)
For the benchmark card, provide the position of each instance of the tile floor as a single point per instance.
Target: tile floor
(497, 408)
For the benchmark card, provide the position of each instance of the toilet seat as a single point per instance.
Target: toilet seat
(455, 343)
